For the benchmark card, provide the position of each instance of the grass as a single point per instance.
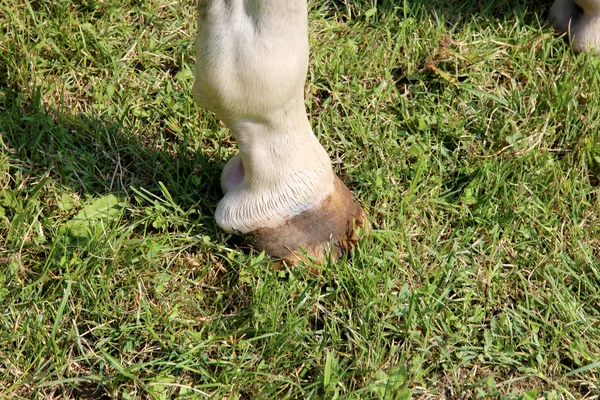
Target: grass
(467, 129)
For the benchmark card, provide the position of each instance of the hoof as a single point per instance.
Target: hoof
(327, 229)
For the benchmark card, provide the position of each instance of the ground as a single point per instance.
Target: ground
(468, 130)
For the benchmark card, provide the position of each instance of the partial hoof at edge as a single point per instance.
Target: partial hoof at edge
(329, 228)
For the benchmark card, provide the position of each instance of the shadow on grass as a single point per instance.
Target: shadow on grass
(93, 155)
(457, 13)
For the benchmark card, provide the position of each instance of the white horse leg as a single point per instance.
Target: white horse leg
(586, 32)
(581, 23)
(280, 190)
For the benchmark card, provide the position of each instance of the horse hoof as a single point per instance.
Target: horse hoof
(326, 230)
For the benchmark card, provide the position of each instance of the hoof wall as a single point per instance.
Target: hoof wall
(328, 228)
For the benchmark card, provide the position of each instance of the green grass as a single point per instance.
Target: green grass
(469, 132)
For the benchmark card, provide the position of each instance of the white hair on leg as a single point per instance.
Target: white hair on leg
(286, 171)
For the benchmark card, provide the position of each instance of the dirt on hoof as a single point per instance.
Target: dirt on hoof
(328, 229)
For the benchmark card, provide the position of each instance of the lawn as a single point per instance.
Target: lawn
(469, 131)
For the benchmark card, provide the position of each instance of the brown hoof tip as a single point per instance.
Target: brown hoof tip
(328, 230)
